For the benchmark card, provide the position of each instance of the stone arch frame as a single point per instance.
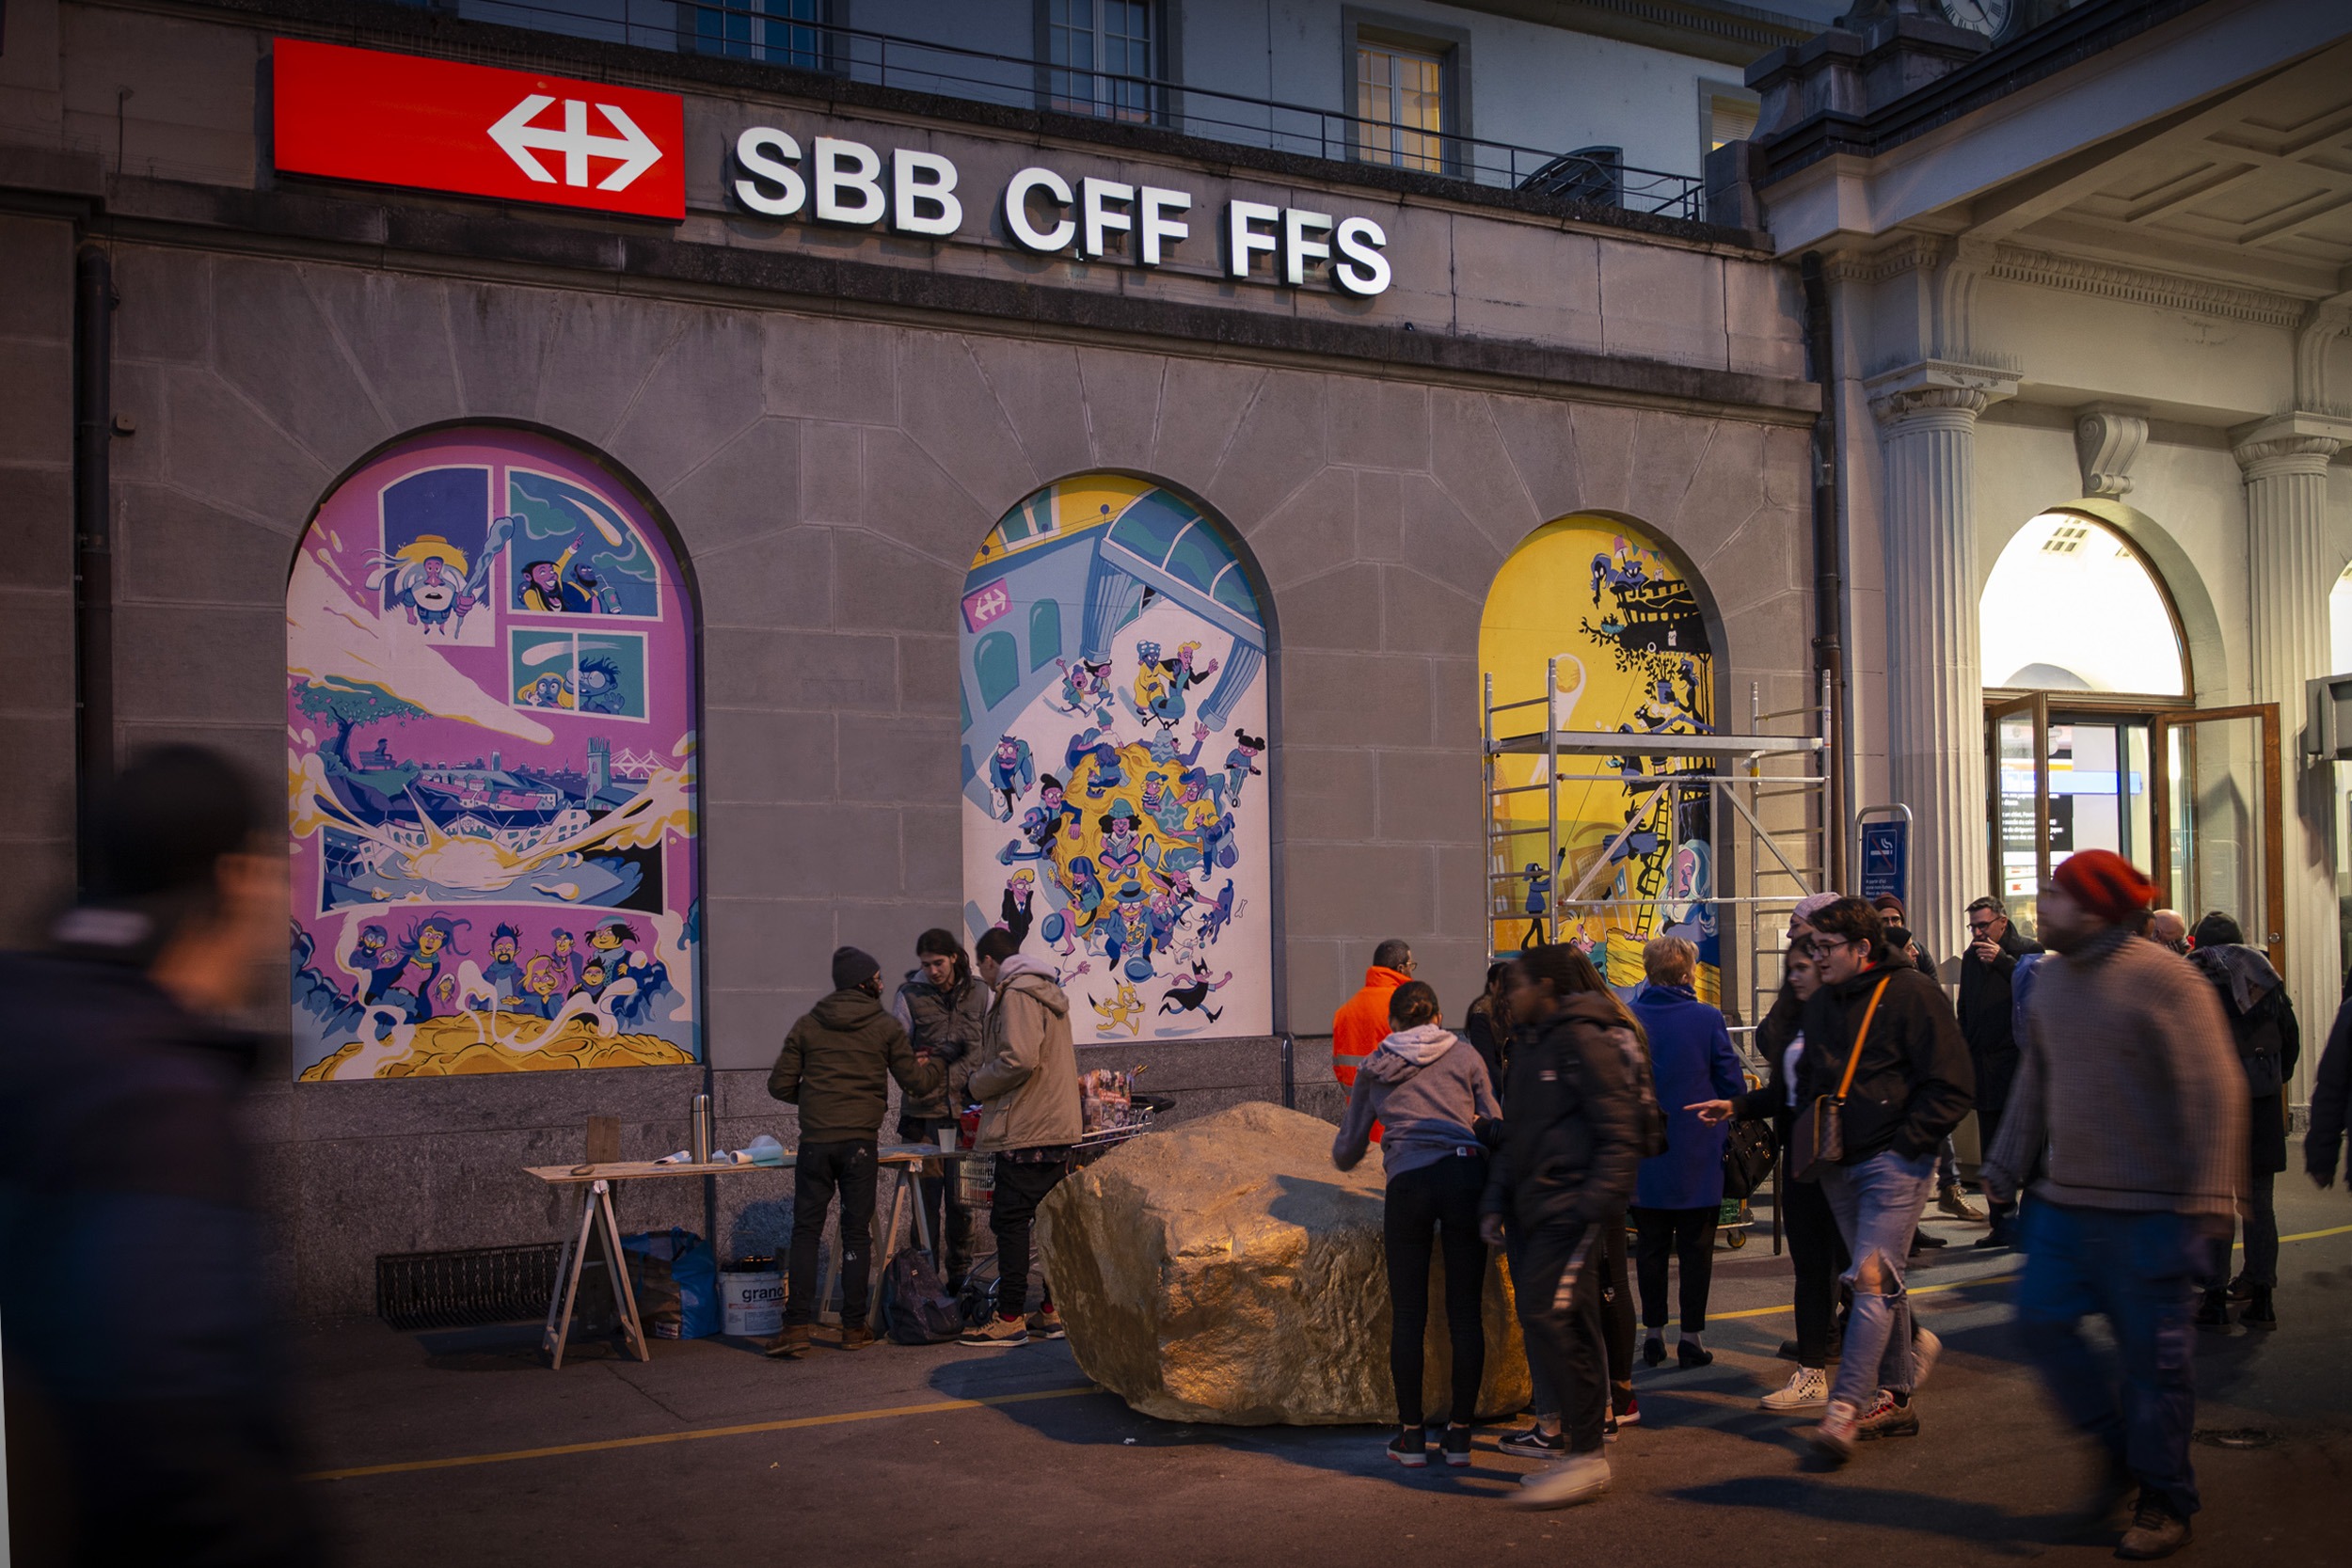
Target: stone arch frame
(680, 564)
(2196, 623)
(1270, 677)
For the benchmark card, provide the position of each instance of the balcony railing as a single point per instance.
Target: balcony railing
(779, 32)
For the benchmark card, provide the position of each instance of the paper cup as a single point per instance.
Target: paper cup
(947, 1140)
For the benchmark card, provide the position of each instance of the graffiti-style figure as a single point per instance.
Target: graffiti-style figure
(1085, 887)
(545, 587)
(602, 596)
(1187, 997)
(1037, 831)
(1125, 1008)
(1056, 805)
(1620, 568)
(544, 981)
(567, 958)
(600, 687)
(382, 962)
(1103, 748)
(505, 975)
(430, 943)
(548, 690)
(1128, 945)
(1086, 688)
(1163, 809)
(609, 944)
(1011, 769)
(427, 579)
(1538, 884)
(592, 979)
(1160, 748)
(1217, 845)
(1241, 763)
(1014, 914)
(1221, 913)
(1161, 682)
(1121, 850)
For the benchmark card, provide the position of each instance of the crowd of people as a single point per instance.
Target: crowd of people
(2128, 1079)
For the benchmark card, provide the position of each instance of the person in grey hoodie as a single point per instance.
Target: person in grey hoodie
(1431, 1093)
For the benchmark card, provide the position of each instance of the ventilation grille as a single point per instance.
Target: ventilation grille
(460, 1290)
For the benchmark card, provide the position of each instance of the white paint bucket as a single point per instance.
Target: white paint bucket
(750, 1300)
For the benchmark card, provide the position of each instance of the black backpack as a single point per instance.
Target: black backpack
(916, 1309)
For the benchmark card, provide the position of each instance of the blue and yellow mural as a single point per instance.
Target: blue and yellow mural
(490, 770)
(1634, 659)
(1116, 797)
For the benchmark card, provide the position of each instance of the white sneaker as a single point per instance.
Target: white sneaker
(1834, 1439)
(1580, 1478)
(1925, 1349)
(1807, 1389)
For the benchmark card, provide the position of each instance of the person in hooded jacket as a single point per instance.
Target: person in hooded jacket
(1582, 1119)
(1031, 1113)
(2331, 1102)
(833, 1067)
(943, 1007)
(2269, 1043)
(1431, 1091)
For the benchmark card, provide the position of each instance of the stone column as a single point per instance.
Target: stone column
(2289, 576)
(1934, 689)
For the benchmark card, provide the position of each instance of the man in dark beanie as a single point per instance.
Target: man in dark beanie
(832, 1067)
(2128, 1080)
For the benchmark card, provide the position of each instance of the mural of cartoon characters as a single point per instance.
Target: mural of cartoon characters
(1634, 659)
(1141, 637)
(451, 769)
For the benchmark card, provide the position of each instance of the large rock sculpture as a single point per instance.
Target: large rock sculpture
(1222, 1271)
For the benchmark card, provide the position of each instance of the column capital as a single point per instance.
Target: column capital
(2296, 443)
(1937, 387)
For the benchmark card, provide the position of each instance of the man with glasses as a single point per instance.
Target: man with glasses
(1986, 970)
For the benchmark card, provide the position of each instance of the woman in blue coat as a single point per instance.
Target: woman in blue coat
(1679, 1194)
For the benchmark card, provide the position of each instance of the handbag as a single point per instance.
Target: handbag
(1747, 1158)
(1819, 1136)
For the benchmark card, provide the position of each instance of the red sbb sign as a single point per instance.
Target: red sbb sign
(516, 136)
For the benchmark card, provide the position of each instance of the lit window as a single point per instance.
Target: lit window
(781, 32)
(2067, 539)
(1730, 117)
(2061, 614)
(1093, 47)
(1400, 101)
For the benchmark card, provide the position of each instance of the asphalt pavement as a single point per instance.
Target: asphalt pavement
(458, 1448)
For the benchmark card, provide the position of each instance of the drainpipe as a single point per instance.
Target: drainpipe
(93, 559)
(1829, 586)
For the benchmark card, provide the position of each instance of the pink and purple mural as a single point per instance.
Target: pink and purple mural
(490, 768)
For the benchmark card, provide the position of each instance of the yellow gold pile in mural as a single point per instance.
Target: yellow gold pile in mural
(455, 1048)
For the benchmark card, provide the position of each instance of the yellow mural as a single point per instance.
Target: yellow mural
(1634, 658)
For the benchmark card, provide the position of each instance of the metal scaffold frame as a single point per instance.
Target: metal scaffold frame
(1666, 773)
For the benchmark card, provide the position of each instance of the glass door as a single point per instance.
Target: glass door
(2017, 742)
(2098, 772)
(2217, 801)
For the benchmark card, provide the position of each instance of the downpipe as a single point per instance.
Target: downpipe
(93, 552)
(1829, 583)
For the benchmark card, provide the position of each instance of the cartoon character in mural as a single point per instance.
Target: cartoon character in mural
(1124, 1010)
(1013, 912)
(1011, 770)
(1192, 994)
(435, 794)
(1161, 682)
(1617, 569)
(1240, 764)
(1096, 748)
(1538, 883)
(1084, 689)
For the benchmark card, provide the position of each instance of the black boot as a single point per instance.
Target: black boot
(2213, 1313)
(2258, 1312)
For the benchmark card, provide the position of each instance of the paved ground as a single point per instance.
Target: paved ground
(460, 1448)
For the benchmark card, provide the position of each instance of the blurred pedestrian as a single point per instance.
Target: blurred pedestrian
(2331, 1102)
(1488, 1025)
(1362, 1020)
(835, 1065)
(1988, 971)
(1430, 1090)
(943, 1008)
(1883, 1043)
(2128, 1083)
(1950, 1200)
(1578, 1129)
(2167, 928)
(2269, 1042)
(1817, 1254)
(1031, 1113)
(121, 1167)
(1678, 1196)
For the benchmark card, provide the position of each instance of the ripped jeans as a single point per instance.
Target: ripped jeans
(1878, 1202)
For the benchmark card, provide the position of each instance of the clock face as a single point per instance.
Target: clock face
(1989, 17)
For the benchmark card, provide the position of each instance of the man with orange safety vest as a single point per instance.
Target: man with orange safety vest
(1362, 1022)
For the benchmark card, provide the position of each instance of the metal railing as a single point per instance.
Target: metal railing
(771, 33)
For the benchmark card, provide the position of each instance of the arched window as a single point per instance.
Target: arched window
(490, 696)
(2072, 607)
(997, 664)
(1117, 817)
(1633, 653)
(1045, 633)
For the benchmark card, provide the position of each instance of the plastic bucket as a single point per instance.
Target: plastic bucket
(751, 1299)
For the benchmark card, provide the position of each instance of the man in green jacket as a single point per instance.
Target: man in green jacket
(832, 1067)
(1027, 1085)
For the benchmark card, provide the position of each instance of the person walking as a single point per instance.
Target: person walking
(1431, 1091)
(1027, 1082)
(2331, 1102)
(1678, 1196)
(1882, 1043)
(1950, 1200)
(943, 1008)
(834, 1065)
(1988, 971)
(1362, 1022)
(148, 1385)
(2269, 1043)
(1578, 1129)
(2128, 1082)
(1817, 1254)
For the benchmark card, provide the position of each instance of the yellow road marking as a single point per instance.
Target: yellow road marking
(606, 1445)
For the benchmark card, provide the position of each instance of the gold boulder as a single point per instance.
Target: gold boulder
(1223, 1271)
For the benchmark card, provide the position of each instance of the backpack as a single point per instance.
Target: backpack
(916, 1309)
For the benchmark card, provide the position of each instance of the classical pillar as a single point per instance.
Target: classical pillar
(1934, 689)
(2289, 574)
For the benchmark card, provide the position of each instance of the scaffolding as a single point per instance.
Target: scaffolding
(1760, 801)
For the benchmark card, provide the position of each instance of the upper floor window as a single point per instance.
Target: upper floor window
(782, 32)
(1091, 45)
(1728, 115)
(1400, 103)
